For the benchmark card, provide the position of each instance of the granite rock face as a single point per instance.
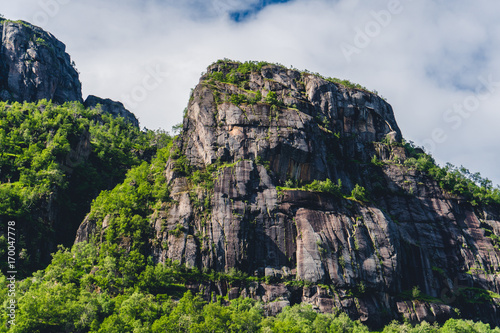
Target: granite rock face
(35, 66)
(370, 259)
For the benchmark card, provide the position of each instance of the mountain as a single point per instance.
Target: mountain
(34, 65)
(284, 188)
(306, 184)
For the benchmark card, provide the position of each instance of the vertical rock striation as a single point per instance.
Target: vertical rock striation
(34, 65)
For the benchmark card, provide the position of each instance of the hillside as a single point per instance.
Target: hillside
(54, 160)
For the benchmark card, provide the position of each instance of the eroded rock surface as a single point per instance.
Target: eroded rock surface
(34, 65)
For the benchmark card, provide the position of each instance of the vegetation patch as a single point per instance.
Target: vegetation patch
(455, 180)
(237, 73)
(323, 186)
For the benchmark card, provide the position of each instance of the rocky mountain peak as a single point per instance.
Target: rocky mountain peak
(116, 109)
(265, 110)
(305, 184)
(35, 65)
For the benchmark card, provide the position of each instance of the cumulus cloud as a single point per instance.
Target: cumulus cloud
(437, 62)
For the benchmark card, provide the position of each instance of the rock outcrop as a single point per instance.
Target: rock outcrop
(116, 109)
(35, 66)
(412, 250)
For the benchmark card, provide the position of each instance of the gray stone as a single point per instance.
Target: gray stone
(35, 66)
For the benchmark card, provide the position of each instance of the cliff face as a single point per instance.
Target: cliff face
(410, 236)
(35, 66)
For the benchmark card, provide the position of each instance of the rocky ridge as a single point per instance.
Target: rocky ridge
(410, 250)
(116, 109)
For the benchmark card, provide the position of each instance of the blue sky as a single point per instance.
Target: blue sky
(436, 62)
(241, 15)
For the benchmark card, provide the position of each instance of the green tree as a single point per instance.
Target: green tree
(359, 193)
(272, 98)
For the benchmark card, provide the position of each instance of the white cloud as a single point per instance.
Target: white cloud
(427, 57)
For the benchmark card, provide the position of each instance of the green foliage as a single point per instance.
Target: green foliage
(238, 99)
(42, 42)
(251, 66)
(323, 121)
(218, 76)
(42, 163)
(260, 161)
(232, 77)
(203, 178)
(359, 193)
(271, 98)
(387, 140)
(179, 229)
(477, 295)
(415, 292)
(233, 67)
(349, 84)
(375, 161)
(302, 318)
(459, 181)
(71, 295)
(256, 99)
(177, 128)
(456, 325)
(324, 186)
(128, 206)
(181, 163)
(243, 68)
(423, 327)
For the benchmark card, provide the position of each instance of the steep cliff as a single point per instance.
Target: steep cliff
(305, 183)
(35, 66)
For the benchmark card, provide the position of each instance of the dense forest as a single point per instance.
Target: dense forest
(54, 160)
